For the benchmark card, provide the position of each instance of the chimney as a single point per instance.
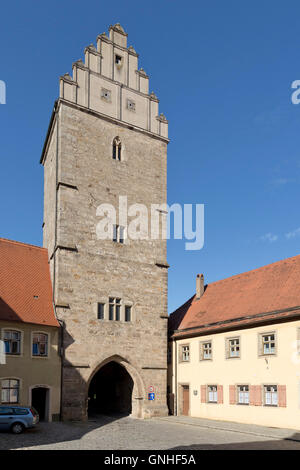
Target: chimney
(199, 286)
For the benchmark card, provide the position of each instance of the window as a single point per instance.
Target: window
(4, 410)
(127, 313)
(100, 313)
(106, 94)
(117, 148)
(212, 394)
(118, 234)
(118, 60)
(233, 347)
(131, 105)
(243, 394)
(114, 308)
(40, 344)
(21, 411)
(12, 341)
(205, 350)
(10, 391)
(270, 395)
(267, 344)
(185, 353)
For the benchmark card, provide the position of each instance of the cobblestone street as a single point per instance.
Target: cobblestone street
(121, 433)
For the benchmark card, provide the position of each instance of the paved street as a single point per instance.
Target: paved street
(120, 433)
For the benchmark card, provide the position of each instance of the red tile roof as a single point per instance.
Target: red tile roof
(25, 284)
(242, 299)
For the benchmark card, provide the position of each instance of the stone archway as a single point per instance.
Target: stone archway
(115, 387)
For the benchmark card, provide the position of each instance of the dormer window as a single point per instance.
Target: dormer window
(117, 148)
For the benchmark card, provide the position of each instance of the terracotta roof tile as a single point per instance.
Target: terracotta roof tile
(25, 284)
(272, 288)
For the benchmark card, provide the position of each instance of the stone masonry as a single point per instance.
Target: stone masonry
(107, 97)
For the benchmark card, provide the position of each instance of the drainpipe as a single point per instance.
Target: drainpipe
(62, 356)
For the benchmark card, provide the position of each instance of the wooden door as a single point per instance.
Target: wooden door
(185, 400)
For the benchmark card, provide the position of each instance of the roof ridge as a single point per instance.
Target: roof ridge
(261, 268)
(7, 240)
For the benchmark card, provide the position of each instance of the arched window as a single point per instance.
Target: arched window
(117, 147)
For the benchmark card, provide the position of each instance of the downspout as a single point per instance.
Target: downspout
(62, 355)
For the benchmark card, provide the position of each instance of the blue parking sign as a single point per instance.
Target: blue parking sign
(151, 396)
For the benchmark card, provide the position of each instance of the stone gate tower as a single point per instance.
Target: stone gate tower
(106, 139)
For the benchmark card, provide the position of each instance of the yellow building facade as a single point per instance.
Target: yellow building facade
(30, 369)
(241, 363)
(30, 343)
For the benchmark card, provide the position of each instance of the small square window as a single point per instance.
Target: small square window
(106, 94)
(232, 347)
(185, 353)
(267, 344)
(205, 350)
(131, 105)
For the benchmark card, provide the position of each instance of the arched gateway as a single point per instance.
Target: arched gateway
(115, 387)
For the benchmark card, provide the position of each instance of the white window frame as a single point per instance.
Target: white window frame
(233, 345)
(16, 330)
(265, 339)
(212, 393)
(243, 396)
(185, 353)
(206, 352)
(271, 396)
(2, 379)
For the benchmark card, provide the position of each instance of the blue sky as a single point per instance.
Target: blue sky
(223, 74)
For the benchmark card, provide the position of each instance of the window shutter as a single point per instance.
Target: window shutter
(220, 394)
(227, 348)
(203, 393)
(252, 394)
(258, 395)
(232, 397)
(260, 344)
(180, 354)
(282, 395)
